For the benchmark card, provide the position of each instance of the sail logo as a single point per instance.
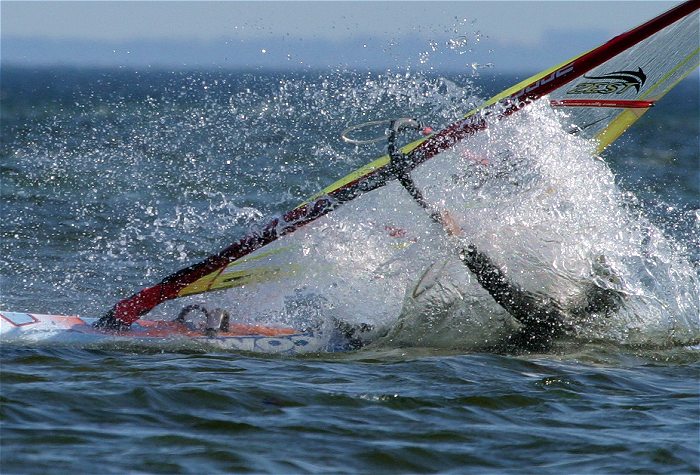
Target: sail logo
(616, 82)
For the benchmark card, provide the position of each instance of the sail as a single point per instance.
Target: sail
(609, 98)
(604, 91)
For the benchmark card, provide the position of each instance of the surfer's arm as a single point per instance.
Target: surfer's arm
(527, 307)
(536, 312)
(449, 224)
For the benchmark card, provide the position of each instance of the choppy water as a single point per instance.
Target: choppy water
(113, 179)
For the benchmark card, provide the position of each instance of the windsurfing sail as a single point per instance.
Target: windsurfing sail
(604, 91)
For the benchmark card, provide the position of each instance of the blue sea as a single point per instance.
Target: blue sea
(112, 179)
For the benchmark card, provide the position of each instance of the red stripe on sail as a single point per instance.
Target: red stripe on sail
(619, 103)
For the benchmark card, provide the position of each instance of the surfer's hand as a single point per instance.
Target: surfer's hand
(449, 223)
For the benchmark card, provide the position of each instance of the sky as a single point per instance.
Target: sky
(509, 36)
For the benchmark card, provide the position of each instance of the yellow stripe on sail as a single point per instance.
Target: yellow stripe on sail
(617, 127)
(224, 278)
(665, 77)
(199, 286)
(227, 280)
(522, 84)
(360, 172)
(629, 116)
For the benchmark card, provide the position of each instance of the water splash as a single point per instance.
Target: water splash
(536, 200)
(123, 188)
(131, 183)
(462, 40)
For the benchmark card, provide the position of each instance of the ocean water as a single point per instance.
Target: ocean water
(112, 179)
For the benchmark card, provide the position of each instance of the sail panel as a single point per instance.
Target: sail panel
(635, 78)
